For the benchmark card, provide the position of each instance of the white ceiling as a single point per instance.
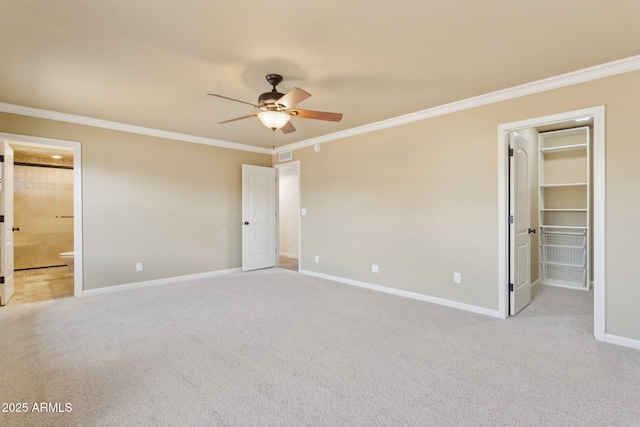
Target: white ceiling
(150, 63)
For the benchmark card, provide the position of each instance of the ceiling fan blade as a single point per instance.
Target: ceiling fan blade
(288, 128)
(293, 97)
(231, 99)
(317, 115)
(239, 118)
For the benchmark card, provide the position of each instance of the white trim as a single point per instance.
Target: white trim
(407, 294)
(123, 127)
(158, 282)
(598, 113)
(625, 342)
(290, 165)
(36, 141)
(592, 73)
(599, 239)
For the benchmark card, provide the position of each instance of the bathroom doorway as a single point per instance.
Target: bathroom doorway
(43, 222)
(47, 219)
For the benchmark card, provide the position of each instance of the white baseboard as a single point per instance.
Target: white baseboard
(407, 294)
(625, 342)
(157, 282)
(289, 255)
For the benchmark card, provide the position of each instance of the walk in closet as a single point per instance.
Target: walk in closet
(564, 177)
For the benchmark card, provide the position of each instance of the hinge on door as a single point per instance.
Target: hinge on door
(510, 287)
(1, 279)
(510, 219)
(1, 158)
(510, 152)
(1, 218)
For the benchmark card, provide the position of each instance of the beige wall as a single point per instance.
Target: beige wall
(174, 206)
(421, 199)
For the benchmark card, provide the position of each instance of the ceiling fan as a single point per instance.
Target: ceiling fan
(277, 108)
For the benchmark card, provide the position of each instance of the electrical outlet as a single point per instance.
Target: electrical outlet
(374, 268)
(317, 259)
(457, 278)
(139, 266)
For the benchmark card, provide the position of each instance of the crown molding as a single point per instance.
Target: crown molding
(123, 127)
(587, 74)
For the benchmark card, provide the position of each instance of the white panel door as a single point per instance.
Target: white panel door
(259, 224)
(520, 227)
(6, 210)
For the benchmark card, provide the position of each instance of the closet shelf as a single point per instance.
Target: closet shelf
(572, 184)
(565, 210)
(573, 147)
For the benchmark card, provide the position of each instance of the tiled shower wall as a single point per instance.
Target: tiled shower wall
(43, 210)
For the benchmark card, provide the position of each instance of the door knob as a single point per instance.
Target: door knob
(532, 231)
(15, 228)
(246, 223)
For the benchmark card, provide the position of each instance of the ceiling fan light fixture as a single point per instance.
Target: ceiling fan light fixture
(274, 119)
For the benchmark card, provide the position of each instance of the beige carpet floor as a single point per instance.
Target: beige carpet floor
(277, 348)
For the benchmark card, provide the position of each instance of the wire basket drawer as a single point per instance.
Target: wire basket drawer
(572, 257)
(571, 240)
(580, 231)
(563, 275)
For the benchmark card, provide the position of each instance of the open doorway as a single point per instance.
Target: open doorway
(568, 247)
(47, 227)
(43, 222)
(289, 215)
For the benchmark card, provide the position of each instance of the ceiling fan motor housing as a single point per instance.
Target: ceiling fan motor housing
(268, 100)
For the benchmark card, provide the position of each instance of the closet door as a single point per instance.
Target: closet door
(520, 227)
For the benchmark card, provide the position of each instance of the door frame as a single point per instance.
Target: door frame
(289, 166)
(7, 236)
(598, 114)
(36, 141)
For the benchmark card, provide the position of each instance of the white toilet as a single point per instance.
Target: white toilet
(67, 258)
